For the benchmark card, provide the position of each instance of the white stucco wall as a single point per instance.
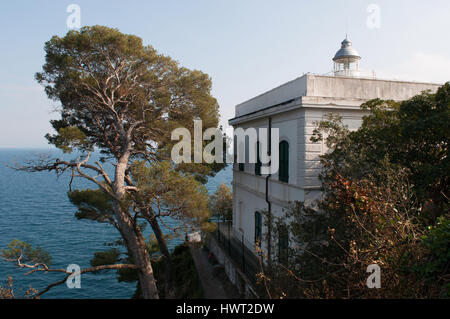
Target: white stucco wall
(246, 202)
(310, 98)
(360, 88)
(336, 88)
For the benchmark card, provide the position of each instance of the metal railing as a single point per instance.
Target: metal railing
(237, 250)
(356, 73)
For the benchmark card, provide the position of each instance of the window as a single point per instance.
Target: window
(283, 244)
(283, 171)
(258, 227)
(240, 157)
(258, 161)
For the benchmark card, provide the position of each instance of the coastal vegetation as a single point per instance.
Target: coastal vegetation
(221, 203)
(386, 202)
(185, 282)
(123, 99)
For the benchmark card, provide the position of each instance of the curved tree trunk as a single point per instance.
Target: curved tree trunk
(133, 237)
(164, 250)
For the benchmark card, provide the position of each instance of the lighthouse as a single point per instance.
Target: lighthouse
(294, 108)
(346, 60)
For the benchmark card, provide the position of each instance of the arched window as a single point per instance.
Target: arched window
(258, 161)
(283, 171)
(258, 227)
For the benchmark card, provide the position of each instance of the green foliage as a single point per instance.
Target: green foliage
(130, 275)
(24, 251)
(93, 204)
(412, 135)
(437, 240)
(186, 279)
(386, 202)
(107, 81)
(69, 138)
(107, 257)
(171, 193)
(167, 191)
(201, 172)
(124, 99)
(221, 203)
(186, 282)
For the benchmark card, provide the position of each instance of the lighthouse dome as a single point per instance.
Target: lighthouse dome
(346, 60)
(346, 52)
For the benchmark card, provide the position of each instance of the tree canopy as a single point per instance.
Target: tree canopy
(123, 98)
(113, 89)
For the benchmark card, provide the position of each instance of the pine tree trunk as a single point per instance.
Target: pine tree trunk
(132, 235)
(164, 250)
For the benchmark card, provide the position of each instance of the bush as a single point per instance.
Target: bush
(186, 280)
(386, 202)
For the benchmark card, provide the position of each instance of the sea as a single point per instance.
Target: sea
(34, 208)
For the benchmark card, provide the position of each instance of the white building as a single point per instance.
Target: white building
(293, 108)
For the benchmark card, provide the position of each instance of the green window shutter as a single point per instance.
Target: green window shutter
(283, 171)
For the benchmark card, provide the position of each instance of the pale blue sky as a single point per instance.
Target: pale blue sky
(246, 46)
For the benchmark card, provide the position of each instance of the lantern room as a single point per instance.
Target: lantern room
(346, 60)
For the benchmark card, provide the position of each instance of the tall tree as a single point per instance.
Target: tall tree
(122, 98)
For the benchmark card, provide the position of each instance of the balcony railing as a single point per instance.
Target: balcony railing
(237, 250)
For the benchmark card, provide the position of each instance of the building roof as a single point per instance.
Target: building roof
(346, 51)
(328, 90)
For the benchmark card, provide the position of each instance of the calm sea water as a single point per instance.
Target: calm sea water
(34, 208)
